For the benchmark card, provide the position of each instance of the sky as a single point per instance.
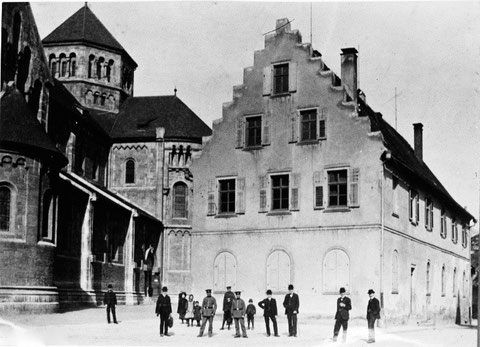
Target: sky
(429, 52)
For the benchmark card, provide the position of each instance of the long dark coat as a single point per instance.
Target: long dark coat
(269, 307)
(164, 305)
(342, 312)
(373, 309)
(227, 304)
(110, 299)
(291, 303)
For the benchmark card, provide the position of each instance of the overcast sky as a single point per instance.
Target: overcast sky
(429, 51)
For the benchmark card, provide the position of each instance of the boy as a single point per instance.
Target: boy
(110, 299)
(251, 310)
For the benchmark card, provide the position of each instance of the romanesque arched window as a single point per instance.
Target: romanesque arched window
(130, 171)
(52, 61)
(89, 97)
(395, 272)
(100, 62)
(5, 208)
(180, 200)
(96, 96)
(63, 65)
(111, 101)
(73, 64)
(91, 64)
(224, 271)
(336, 271)
(109, 69)
(278, 271)
(102, 99)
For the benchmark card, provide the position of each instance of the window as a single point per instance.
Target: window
(413, 207)
(428, 279)
(308, 125)
(102, 99)
(64, 67)
(224, 272)
(454, 282)
(443, 223)
(454, 231)
(395, 272)
(5, 207)
(130, 171)
(254, 131)
(227, 195)
(337, 188)
(99, 71)
(443, 280)
(278, 271)
(280, 78)
(91, 64)
(180, 200)
(96, 95)
(280, 190)
(49, 215)
(73, 64)
(336, 271)
(395, 193)
(464, 236)
(429, 214)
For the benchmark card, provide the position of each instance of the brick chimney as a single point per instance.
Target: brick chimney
(282, 25)
(349, 72)
(418, 140)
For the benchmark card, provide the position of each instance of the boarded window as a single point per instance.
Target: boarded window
(336, 271)
(225, 271)
(180, 200)
(278, 271)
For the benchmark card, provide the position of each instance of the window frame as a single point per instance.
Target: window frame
(443, 223)
(281, 189)
(312, 131)
(259, 132)
(230, 193)
(428, 213)
(413, 206)
(329, 185)
(283, 78)
(183, 215)
(12, 207)
(454, 230)
(127, 175)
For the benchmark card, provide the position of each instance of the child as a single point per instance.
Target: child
(190, 307)
(110, 299)
(197, 313)
(251, 310)
(182, 306)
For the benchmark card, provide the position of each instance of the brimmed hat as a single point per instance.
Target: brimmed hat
(208, 290)
(290, 287)
(229, 287)
(164, 289)
(269, 292)
(109, 286)
(342, 290)
(371, 291)
(250, 300)
(238, 292)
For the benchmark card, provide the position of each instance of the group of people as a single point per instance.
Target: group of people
(235, 309)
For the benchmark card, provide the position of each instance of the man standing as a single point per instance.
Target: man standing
(291, 304)
(209, 307)
(373, 313)
(341, 317)
(164, 310)
(148, 268)
(110, 299)
(227, 308)
(269, 306)
(238, 310)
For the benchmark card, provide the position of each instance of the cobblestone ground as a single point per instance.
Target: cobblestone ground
(138, 326)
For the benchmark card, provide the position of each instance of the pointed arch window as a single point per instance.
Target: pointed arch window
(130, 171)
(180, 200)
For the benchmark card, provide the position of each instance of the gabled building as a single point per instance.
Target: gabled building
(303, 183)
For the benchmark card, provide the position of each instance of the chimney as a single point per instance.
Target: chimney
(282, 25)
(349, 73)
(418, 140)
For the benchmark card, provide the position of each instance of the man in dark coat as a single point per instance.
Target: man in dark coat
(164, 310)
(227, 308)
(209, 307)
(110, 299)
(269, 306)
(373, 313)
(291, 304)
(341, 317)
(149, 261)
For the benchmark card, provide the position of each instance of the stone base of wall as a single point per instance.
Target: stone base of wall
(24, 299)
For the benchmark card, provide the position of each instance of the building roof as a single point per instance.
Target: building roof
(20, 131)
(140, 116)
(83, 26)
(404, 160)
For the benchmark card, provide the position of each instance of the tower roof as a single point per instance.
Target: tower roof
(83, 26)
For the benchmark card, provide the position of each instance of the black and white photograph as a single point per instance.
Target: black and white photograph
(240, 173)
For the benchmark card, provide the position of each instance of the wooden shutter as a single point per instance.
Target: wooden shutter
(295, 192)
(354, 181)
(240, 132)
(266, 129)
(322, 129)
(293, 128)
(292, 77)
(263, 193)
(240, 195)
(317, 190)
(211, 198)
(417, 208)
(267, 80)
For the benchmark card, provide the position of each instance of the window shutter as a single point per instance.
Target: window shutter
(354, 201)
(266, 129)
(263, 193)
(211, 198)
(267, 80)
(317, 190)
(292, 77)
(295, 192)
(293, 128)
(322, 134)
(240, 131)
(240, 190)
(417, 208)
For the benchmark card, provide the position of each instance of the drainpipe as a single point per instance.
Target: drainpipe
(382, 232)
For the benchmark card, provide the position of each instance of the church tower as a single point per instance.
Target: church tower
(90, 62)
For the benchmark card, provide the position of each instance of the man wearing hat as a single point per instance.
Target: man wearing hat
(291, 304)
(269, 306)
(341, 317)
(164, 310)
(373, 313)
(110, 299)
(209, 307)
(238, 311)
(227, 308)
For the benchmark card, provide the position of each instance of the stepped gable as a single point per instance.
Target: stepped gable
(21, 132)
(404, 158)
(83, 26)
(140, 116)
